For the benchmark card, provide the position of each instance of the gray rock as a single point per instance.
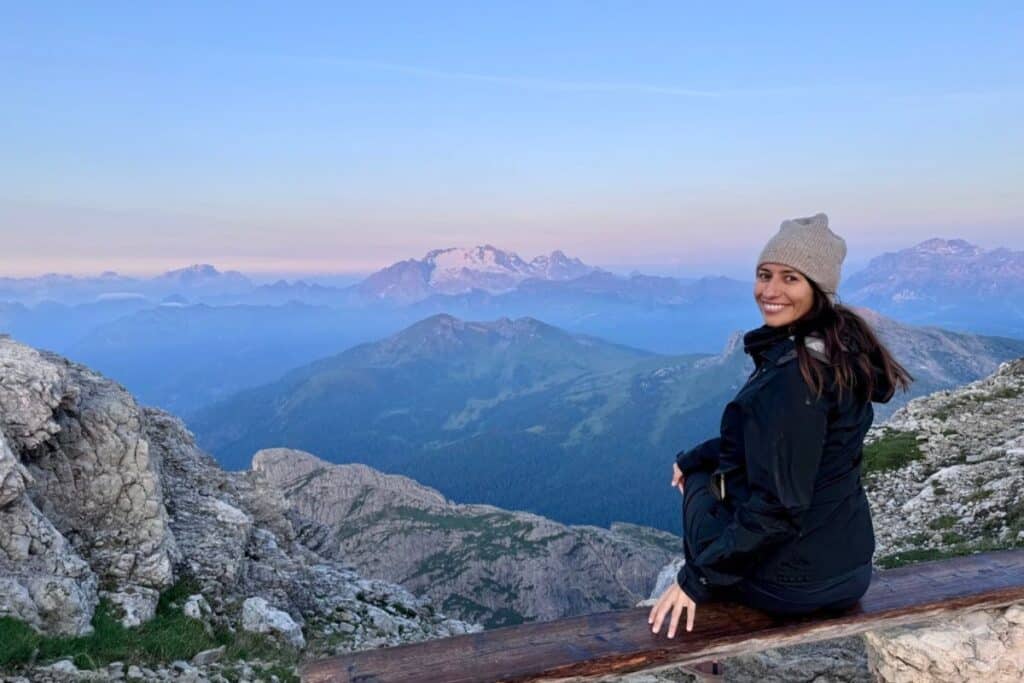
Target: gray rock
(208, 656)
(196, 607)
(78, 437)
(96, 490)
(982, 645)
(43, 581)
(487, 563)
(135, 604)
(260, 617)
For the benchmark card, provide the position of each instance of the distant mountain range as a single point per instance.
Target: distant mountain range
(927, 281)
(221, 333)
(516, 413)
(442, 271)
(950, 283)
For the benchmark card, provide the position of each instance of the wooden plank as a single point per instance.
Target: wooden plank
(621, 641)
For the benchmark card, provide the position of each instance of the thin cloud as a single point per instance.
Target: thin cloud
(541, 83)
(628, 87)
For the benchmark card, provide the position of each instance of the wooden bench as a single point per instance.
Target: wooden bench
(621, 641)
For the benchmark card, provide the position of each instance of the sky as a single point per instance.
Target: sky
(343, 136)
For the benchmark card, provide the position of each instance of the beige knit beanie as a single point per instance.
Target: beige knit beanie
(807, 245)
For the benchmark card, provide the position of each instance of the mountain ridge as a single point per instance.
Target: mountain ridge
(513, 423)
(479, 562)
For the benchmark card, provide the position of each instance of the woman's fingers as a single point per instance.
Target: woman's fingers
(659, 615)
(672, 603)
(674, 623)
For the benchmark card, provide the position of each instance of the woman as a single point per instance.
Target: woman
(774, 514)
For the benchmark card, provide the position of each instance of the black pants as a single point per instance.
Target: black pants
(704, 519)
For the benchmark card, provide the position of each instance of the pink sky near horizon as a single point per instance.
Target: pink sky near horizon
(40, 238)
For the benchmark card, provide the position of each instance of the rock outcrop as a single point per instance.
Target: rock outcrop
(984, 645)
(101, 498)
(480, 562)
(954, 489)
(952, 471)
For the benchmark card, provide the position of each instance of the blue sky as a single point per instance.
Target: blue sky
(345, 136)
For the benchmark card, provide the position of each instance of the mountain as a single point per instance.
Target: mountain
(938, 359)
(202, 276)
(460, 270)
(197, 279)
(516, 413)
(387, 399)
(950, 283)
(478, 562)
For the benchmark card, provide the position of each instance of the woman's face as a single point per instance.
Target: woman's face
(782, 294)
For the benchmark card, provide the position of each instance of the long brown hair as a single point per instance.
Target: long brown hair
(854, 351)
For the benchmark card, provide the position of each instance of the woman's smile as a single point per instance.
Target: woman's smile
(773, 307)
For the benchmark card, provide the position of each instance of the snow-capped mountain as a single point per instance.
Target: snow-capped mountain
(458, 270)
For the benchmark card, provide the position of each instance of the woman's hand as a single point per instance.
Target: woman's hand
(673, 600)
(677, 477)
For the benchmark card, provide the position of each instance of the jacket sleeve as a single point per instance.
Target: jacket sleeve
(700, 457)
(784, 430)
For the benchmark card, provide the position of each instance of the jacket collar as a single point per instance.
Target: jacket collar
(772, 343)
(767, 343)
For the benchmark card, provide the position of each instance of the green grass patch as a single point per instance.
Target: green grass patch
(169, 636)
(942, 522)
(891, 451)
(961, 548)
(977, 496)
(1007, 392)
(460, 604)
(916, 555)
(17, 642)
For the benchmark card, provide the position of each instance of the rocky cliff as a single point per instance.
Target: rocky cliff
(106, 502)
(947, 470)
(479, 562)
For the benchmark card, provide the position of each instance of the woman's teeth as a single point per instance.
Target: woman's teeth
(773, 308)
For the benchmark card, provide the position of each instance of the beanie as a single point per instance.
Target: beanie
(807, 245)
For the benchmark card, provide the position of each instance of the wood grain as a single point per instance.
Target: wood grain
(621, 641)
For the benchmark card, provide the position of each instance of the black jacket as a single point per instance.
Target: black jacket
(791, 468)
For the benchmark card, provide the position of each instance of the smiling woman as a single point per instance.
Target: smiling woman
(774, 514)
